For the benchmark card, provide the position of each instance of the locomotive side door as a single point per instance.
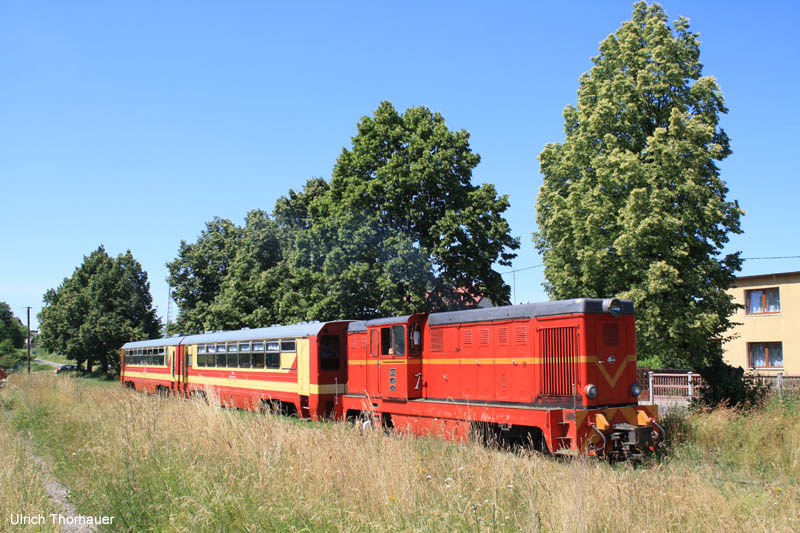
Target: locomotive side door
(373, 361)
(393, 369)
(468, 361)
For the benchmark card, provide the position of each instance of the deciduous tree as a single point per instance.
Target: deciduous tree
(402, 228)
(632, 203)
(104, 304)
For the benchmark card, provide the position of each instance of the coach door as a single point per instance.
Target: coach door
(184, 358)
(174, 365)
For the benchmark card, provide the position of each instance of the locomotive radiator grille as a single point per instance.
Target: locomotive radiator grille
(559, 351)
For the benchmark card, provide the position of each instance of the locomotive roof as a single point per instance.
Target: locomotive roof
(306, 329)
(358, 325)
(388, 320)
(559, 307)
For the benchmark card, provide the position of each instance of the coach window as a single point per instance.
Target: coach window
(163, 355)
(258, 355)
(273, 354)
(201, 355)
(233, 355)
(329, 352)
(244, 355)
(288, 345)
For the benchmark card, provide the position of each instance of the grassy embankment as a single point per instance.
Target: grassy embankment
(21, 484)
(166, 464)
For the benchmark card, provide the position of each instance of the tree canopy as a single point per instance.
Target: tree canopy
(12, 335)
(402, 228)
(399, 229)
(104, 304)
(632, 203)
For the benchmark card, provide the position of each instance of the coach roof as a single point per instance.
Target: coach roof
(561, 307)
(306, 329)
(169, 341)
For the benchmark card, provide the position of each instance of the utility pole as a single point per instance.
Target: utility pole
(29, 340)
(169, 301)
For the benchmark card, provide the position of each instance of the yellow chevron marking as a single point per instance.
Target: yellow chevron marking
(601, 422)
(580, 416)
(613, 380)
(629, 413)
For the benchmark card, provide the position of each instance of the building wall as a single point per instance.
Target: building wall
(783, 326)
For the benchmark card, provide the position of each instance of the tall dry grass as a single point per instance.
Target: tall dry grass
(175, 465)
(22, 489)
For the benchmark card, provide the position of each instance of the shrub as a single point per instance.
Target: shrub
(724, 385)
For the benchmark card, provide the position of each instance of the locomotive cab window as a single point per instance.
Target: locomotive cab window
(399, 341)
(415, 340)
(393, 341)
(386, 341)
(329, 352)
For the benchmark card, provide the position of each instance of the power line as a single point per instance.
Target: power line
(521, 269)
(778, 257)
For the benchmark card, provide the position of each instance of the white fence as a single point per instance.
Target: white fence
(682, 386)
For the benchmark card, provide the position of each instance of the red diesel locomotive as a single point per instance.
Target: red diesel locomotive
(558, 375)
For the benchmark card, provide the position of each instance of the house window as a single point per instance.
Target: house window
(766, 354)
(761, 301)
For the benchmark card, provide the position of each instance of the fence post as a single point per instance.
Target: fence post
(689, 378)
(650, 385)
(780, 383)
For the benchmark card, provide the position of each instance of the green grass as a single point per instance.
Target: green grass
(176, 465)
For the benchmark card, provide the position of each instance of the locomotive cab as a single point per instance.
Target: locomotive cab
(395, 348)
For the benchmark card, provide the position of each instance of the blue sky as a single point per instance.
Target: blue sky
(131, 124)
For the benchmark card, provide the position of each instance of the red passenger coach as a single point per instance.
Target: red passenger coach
(561, 375)
(149, 365)
(294, 369)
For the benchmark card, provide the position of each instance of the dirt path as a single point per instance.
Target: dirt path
(59, 494)
(51, 363)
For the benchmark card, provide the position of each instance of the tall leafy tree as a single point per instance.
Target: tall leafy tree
(402, 228)
(229, 278)
(199, 271)
(105, 303)
(11, 334)
(632, 203)
(12, 337)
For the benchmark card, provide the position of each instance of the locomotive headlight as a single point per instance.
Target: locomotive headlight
(636, 390)
(591, 391)
(612, 306)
